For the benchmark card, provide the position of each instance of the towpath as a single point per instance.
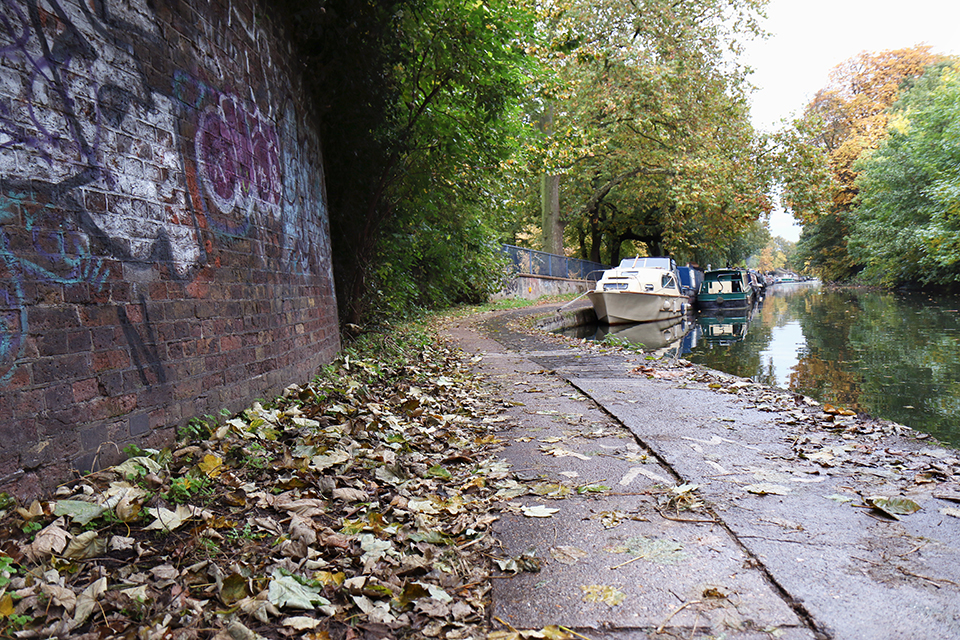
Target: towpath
(693, 504)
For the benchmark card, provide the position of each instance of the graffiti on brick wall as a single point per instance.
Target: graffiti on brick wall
(237, 154)
(254, 174)
(143, 344)
(102, 163)
(306, 248)
(59, 256)
(81, 130)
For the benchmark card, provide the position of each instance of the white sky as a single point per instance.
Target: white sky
(810, 37)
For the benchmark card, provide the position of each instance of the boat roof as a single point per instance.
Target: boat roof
(717, 274)
(647, 263)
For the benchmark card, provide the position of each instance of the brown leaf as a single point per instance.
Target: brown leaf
(305, 507)
(234, 589)
(52, 539)
(349, 494)
(86, 545)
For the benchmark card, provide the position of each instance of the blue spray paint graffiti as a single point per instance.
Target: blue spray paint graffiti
(67, 252)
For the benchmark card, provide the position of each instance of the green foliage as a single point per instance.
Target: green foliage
(185, 489)
(802, 168)
(7, 570)
(135, 451)
(651, 131)
(7, 501)
(435, 265)
(424, 104)
(31, 527)
(248, 532)
(821, 156)
(906, 227)
(822, 249)
(419, 110)
(197, 429)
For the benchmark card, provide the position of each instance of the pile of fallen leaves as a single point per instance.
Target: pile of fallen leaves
(358, 505)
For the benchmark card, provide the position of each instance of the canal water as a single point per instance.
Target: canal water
(893, 356)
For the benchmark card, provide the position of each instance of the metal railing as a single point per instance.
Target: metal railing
(540, 263)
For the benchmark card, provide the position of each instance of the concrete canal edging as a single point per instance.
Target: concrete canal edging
(532, 287)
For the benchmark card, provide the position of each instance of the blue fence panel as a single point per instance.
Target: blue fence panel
(540, 263)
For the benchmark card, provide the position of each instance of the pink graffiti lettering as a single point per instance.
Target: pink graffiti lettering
(238, 158)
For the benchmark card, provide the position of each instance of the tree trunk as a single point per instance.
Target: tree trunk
(550, 198)
(550, 214)
(582, 242)
(596, 238)
(615, 244)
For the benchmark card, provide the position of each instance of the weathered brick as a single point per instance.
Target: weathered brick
(17, 434)
(52, 343)
(65, 367)
(84, 390)
(42, 318)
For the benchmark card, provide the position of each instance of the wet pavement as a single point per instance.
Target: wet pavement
(683, 509)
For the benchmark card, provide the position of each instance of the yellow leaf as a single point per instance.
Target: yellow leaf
(6, 606)
(602, 593)
(329, 578)
(211, 465)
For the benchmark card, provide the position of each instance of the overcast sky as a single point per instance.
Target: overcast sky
(811, 37)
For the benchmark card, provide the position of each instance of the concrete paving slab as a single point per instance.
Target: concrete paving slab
(633, 571)
(838, 561)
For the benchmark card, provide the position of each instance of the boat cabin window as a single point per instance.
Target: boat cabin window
(718, 286)
(725, 283)
(667, 281)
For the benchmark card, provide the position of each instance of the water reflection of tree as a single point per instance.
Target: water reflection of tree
(894, 356)
(911, 350)
(823, 369)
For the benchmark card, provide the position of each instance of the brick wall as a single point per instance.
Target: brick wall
(164, 250)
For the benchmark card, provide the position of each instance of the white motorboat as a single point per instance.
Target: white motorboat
(639, 290)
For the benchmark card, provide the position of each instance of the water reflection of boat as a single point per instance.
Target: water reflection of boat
(639, 290)
(724, 327)
(652, 335)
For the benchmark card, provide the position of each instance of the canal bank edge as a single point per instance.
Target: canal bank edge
(567, 318)
(784, 544)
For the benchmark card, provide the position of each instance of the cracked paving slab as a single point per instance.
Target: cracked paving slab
(612, 565)
(839, 561)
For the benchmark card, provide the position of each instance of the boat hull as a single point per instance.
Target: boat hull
(626, 307)
(724, 301)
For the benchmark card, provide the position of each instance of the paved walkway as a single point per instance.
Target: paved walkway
(774, 541)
